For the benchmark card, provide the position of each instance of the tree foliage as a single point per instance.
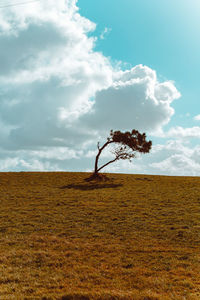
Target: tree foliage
(128, 143)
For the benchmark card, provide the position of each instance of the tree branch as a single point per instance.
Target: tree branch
(97, 157)
(111, 161)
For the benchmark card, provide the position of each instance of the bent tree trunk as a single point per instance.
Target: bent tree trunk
(96, 169)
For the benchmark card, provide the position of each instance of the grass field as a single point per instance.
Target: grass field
(132, 237)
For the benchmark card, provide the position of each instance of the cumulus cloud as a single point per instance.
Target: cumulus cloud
(135, 99)
(48, 73)
(57, 92)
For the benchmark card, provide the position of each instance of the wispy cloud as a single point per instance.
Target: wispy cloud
(179, 132)
(105, 33)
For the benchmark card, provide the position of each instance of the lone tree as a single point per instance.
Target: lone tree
(129, 144)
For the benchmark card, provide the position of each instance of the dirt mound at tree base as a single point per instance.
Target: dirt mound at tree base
(97, 177)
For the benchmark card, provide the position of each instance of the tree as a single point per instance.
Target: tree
(129, 144)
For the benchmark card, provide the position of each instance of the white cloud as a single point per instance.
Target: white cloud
(178, 165)
(175, 158)
(48, 73)
(197, 118)
(135, 99)
(58, 96)
(179, 132)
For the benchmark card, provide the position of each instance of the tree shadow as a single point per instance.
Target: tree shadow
(88, 187)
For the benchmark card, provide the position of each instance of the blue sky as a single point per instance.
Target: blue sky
(72, 70)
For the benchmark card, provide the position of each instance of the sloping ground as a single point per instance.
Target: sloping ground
(132, 237)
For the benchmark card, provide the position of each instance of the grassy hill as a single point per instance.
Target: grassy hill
(132, 237)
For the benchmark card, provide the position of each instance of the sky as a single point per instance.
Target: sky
(70, 71)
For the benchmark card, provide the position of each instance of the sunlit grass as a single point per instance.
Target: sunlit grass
(132, 237)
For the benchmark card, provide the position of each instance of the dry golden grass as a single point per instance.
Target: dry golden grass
(132, 237)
